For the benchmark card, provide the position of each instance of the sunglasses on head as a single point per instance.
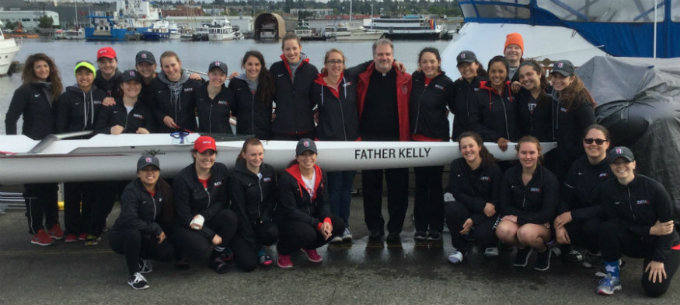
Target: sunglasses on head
(591, 140)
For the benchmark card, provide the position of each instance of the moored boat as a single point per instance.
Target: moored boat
(409, 27)
(8, 49)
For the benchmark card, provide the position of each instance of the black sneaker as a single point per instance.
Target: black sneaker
(137, 281)
(393, 238)
(522, 257)
(219, 265)
(182, 263)
(434, 236)
(543, 260)
(145, 266)
(375, 236)
(420, 236)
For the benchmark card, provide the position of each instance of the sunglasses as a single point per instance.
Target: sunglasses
(591, 140)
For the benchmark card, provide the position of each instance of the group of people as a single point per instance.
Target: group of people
(579, 194)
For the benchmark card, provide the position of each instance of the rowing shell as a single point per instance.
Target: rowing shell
(114, 157)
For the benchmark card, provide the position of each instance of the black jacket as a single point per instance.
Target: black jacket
(213, 114)
(254, 116)
(464, 107)
(253, 197)
(571, 124)
(580, 188)
(183, 112)
(78, 110)
(140, 116)
(338, 111)
(294, 106)
(497, 114)
(638, 206)
(191, 198)
(31, 101)
(537, 117)
(427, 106)
(535, 202)
(474, 188)
(295, 203)
(110, 86)
(138, 210)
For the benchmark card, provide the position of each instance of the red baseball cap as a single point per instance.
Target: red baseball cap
(107, 52)
(204, 143)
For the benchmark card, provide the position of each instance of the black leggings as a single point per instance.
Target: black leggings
(297, 235)
(196, 245)
(77, 216)
(585, 233)
(42, 209)
(135, 245)
(428, 208)
(482, 232)
(616, 239)
(266, 233)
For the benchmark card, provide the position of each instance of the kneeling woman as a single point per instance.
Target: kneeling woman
(303, 215)
(253, 197)
(639, 223)
(529, 199)
(474, 182)
(146, 211)
(200, 202)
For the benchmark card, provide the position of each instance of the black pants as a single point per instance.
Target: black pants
(266, 233)
(136, 245)
(482, 231)
(106, 192)
(428, 208)
(42, 208)
(298, 235)
(196, 245)
(397, 198)
(616, 239)
(79, 198)
(292, 137)
(585, 233)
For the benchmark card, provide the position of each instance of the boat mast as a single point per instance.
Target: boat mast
(75, 8)
(350, 13)
(655, 22)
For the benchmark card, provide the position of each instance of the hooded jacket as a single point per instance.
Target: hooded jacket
(39, 112)
(78, 110)
(580, 188)
(253, 197)
(254, 116)
(474, 188)
(464, 108)
(403, 85)
(294, 114)
(141, 211)
(139, 116)
(497, 113)
(537, 117)
(296, 204)
(213, 114)
(110, 86)
(535, 202)
(337, 104)
(427, 106)
(182, 107)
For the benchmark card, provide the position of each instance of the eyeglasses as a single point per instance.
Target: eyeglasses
(591, 140)
(335, 62)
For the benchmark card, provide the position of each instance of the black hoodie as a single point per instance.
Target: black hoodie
(78, 110)
(535, 202)
(110, 86)
(182, 108)
(139, 116)
(294, 106)
(213, 114)
(497, 113)
(253, 197)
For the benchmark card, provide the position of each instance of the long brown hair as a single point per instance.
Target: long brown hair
(265, 81)
(248, 142)
(487, 157)
(575, 94)
(28, 76)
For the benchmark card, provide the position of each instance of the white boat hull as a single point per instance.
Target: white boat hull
(221, 37)
(8, 49)
(109, 157)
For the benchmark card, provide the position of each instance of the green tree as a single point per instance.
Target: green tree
(45, 22)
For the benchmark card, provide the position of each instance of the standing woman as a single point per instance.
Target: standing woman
(213, 101)
(497, 107)
(293, 79)
(78, 109)
(35, 100)
(205, 225)
(639, 223)
(537, 108)
(253, 191)
(335, 94)
(432, 92)
(574, 115)
(475, 184)
(304, 216)
(174, 90)
(253, 94)
(464, 110)
(130, 114)
(146, 211)
(529, 199)
(579, 217)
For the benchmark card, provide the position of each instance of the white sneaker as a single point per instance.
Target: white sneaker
(491, 252)
(336, 239)
(346, 235)
(137, 281)
(455, 257)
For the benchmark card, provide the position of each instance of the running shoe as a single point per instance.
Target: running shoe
(284, 261)
(491, 252)
(420, 236)
(71, 238)
(42, 238)
(219, 265)
(145, 266)
(608, 285)
(264, 259)
(346, 235)
(434, 236)
(92, 240)
(456, 257)
(137, 281)
(56, 232)
(336, 239)
(312, 255)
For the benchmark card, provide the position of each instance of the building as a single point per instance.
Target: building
(317, 13)
(29, 19)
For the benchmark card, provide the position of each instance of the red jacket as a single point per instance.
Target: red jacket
(403, 94)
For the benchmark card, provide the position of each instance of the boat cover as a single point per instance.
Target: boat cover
(639, 102)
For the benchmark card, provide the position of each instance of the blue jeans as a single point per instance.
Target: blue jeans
(340, 193)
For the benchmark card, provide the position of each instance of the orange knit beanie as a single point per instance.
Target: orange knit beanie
(514, 38)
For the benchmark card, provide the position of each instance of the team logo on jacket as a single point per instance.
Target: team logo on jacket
(563, 109)
(36, 95)
(642, 201)
(217, 183)
(139, 116)
(97, 102)
(485, 178)
(440, 87)
(267, 179)
(188, 89)
(223, 103)
(535, 189)
(604, 175)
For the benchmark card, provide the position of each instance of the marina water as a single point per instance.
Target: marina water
(196, 56)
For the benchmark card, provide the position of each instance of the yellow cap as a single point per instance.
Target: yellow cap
(85, 64)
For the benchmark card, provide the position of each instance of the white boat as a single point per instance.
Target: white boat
(8, 48)
(111, 157)
(410, 27)
(344, 33)
(174, 31)
(220, 29)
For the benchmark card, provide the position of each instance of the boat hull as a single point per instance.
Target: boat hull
(109, 157)
(8, 49)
